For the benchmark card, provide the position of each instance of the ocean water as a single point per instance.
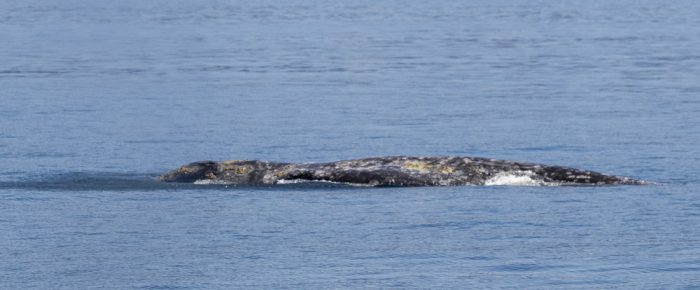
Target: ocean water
(99, 97)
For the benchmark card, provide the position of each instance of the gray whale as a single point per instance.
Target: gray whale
(392, 171)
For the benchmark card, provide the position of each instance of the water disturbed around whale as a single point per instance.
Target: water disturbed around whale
(392, 171)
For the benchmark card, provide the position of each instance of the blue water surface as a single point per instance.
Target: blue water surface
(99, 97)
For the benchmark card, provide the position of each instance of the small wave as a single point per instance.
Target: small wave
(283, 182)
(306, 181)
(517, 178)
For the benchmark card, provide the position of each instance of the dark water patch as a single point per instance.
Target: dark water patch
(569, 200)
(109, 181)
(666, 267)
(33, 73)
(77, 111)
(677, 58)
(527, 267)
(462, 225)
(6, 112)
(692, 89)
(550, 148)
(127, 71)
(625, 39)
(411, 256)
(88, 181)
(585, 282)
(162, 141)
(48, 155)
(164, 287)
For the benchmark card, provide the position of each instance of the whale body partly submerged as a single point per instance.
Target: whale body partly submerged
(392, 171)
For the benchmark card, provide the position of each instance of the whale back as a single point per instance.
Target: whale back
(392, 171)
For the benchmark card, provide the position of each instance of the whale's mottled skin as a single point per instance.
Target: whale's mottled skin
(389, 171)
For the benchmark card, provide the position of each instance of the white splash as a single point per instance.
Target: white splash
(210, 181)
(292, 181)
(517, 178)
(297, 181)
